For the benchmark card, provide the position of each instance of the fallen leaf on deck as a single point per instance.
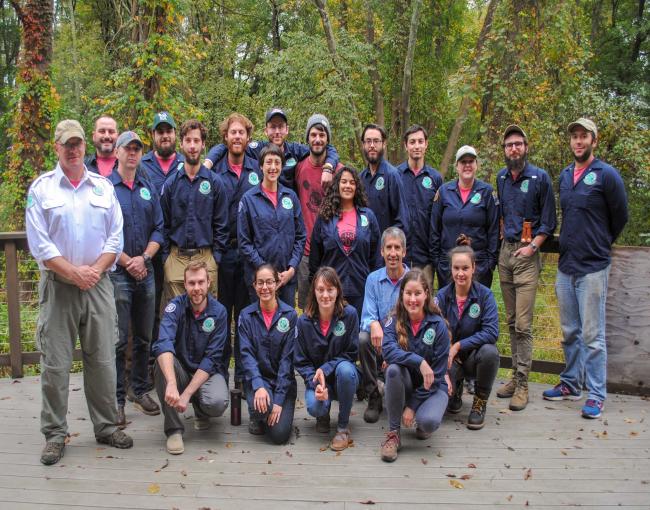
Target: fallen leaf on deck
(466, 477)
(323, 448)
(153, 488)
(367, 502)
(509, 498)
(528, 474)
(163, 466)
(296, 431)
(212, 451)
(507, 466)
(202, 458)
(563, 452)
(505, 410)
(5, 398)
(601, 435)
(338, 454)
(450, 475)
(471, 466)
(184, 473)
(456, 484)
(629, 420)
(634, 433)
(439, 454)
(182, 485)
(288, 453)
(228, 445)
(269, 461)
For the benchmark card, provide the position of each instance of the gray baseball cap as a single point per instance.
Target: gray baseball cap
(127, 137)
(318, 118)
(465, 150)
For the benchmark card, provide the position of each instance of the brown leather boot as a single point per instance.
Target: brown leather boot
(519, 399)
(507, 390)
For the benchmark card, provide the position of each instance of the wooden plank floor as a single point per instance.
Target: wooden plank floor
(544, 457)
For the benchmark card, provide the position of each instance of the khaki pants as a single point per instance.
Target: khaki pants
(174, 269)
(65, 314)
(518, 277)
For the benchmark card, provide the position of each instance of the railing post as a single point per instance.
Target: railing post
(13, 309)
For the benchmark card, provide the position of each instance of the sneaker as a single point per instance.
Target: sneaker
(256, 427)
(175, 444)
(146, 404)
(117, 439)
(323, 423)
(390, 446)
(476, 418)
(121, 418)
(201, 423)
(519, 399)
(371, 415)
(507, 390)
(421, 434)
(592, 409)
(455, 403)
(52, 453)
(341, 440)
(561, 392)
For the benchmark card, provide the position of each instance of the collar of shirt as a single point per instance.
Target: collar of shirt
(281, 309)
(203, 172)
(138, 180)
(210, 309)
(426, 169)
(526, 172)
(85, 178)
(222, 166)
(384, 274)
(380, 169)
(282, 190)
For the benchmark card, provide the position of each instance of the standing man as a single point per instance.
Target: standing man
(74, 230)
(527, 214)
(420, 183)
(382, 183)
(311, 172)
(238, 173)
(104, 161)
(594, 213)
(160, 162)
(133, 278)
(195, 212)
(382, 291)
(192, 357)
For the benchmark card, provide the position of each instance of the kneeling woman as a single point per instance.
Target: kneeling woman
(471, 311)
(327, 345)
(266, 338)
(415, 347)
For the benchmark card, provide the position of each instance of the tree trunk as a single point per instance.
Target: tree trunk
(408, 68)
(74, 50)
(641, 35)
(275, 25)
(465, 103)
(377, 96)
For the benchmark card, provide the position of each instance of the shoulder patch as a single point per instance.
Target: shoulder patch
(339, 329)
(429, 336)
(475, 310)
(253, 144)
(283, 325)
(170, 308)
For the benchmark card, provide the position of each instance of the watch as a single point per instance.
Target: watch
(533, 246)
(146, 257)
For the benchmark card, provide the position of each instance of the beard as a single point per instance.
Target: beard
(317, 150)
(190, 160)
(373, 159)
(585, 155)
(165, 152)
(516, 165)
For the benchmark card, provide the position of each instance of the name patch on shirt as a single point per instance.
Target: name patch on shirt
(205, 187)
(253, 178)
(99, 191)
(290, 162)
(145, 194)
(30, 200)
(283, 325)
(474, 310)
(427, 182)
(208, 325)
(364, 220)
(524, 186)
(339, 329)
(379, 185)
(170, 308)
(476, 199)
(429, 336)
(287, 203)
(590, 179)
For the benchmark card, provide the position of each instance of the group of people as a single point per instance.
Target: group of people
(200, 259)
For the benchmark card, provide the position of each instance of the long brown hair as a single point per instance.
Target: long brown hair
(402, 321)
(330, 277)
(331, 205)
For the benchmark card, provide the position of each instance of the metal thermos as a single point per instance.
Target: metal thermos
(235, 406)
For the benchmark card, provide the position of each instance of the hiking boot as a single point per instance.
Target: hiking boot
(256, 427)
(561, 392)
(175, 444)
(201, 422)
(519, 400)
(52, 453)
(592, 409)
(507, 390)
(372, 412)
(455, 403)
(323, 423)
(146, 404)
(121, 418)
(421, 434)
(341, 440)
(361, 393)
(117, 439)
(476, 418)
(390, 446)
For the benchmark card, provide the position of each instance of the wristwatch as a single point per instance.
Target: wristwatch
(533, 246)
(146, 257)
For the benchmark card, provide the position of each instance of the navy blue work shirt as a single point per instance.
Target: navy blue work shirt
(195, 212)
(154, 172)
(267, 354)
(477, 218)
(479, 323)
(420, 190)
(197, 342)
(143, 218)
(235, 187)
(430, 344)
(529, 198)
(293, 153)
(270, 234)
(313, 350)
(353, 268)
(386, 197)
(594, 213)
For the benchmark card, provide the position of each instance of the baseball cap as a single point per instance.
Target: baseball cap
(276, 111)
(319, 118)
(588, 124)
(127, 137)
(513, 128)
(67, 129)
(465, 150)
(163, 118)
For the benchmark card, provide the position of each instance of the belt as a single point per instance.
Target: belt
(189, 252)
(51, 275)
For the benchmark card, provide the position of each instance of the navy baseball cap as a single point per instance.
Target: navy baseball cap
(276, 111)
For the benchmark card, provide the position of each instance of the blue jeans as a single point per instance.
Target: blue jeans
(281, 431)
(135, 303)
(582, 315)
(346, 381)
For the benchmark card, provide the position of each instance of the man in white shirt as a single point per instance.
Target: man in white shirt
(74, 230)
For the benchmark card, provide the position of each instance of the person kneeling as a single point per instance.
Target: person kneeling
(415, 347)
(266, 337)
(327, 345)
(191, 354)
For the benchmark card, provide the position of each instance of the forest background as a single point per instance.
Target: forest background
(463, 69)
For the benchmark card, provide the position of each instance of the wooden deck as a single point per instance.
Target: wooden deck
(545, 457)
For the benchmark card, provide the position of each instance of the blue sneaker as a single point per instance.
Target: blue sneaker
(561, 392)
(592, 409)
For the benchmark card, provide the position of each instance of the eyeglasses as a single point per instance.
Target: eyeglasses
(513, 145)
(268, 283)
(374, 141)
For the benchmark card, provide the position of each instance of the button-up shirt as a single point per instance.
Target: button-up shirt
(154, 173)
(78, 224)
(380, 297)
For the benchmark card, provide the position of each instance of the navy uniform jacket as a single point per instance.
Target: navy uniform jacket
(594, 213)
(153, 171)
(236, 187)
(479, 323)
(195, 212)
(293, 152)
(430, 344)
(91, 163)
(419, 190)
(352, 268)
(267, 354)
(477, 218)
(313, 350)
(386, 197)
(143, 219)
(529, 198)
(267, 234)
(198, 343)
